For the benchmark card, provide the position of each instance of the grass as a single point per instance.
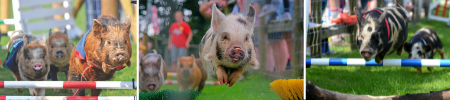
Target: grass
(380, 81)
(255, 87)
(125, 74)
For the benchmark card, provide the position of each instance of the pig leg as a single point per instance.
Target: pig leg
(441, 52)
(73, 76)
(54, 72)
(378, 59)
(19, 90)
(234, 76)
(221, 75)
(419, 70)
(96, 92)
(33, 91)
(399, 51)
(430, 69)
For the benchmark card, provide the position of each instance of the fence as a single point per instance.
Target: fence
(386, 62)
(70, 84)
(68, 98)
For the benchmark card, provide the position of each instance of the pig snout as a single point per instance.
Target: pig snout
(367, 53)
(59, 53)
(185, 72)
(236, 54)
(151, 86)
(120, 56)
(37, 67)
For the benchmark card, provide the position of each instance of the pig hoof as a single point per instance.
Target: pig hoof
(56, 90)
(19, 91)
(430, 69)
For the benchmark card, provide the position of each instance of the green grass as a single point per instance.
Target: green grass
(255, 87)
(125, 74)
(385, 80)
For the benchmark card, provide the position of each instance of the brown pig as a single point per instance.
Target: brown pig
(152, 72)
(227, 47)
(30, 61)
(101, 52)
(59, 48)
(189, 74)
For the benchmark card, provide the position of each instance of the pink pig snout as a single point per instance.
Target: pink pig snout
(37, 66)
(236, 54)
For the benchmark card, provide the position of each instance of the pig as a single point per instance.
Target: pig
(381, 32)
(189, 74)
(152, 72)
(59, 47)
(29, 60)
(423, 45)
(227, 47)
(101, 52)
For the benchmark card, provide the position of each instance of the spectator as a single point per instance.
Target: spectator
(180, 35)
(205, 8)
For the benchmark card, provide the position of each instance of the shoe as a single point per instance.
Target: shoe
(269, 10)
(286, 16)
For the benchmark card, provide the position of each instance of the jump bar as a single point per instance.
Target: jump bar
(386, 62)
(69, 84)
(68, 97)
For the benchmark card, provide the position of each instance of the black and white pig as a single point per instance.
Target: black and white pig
(381, 32)
(423, 45)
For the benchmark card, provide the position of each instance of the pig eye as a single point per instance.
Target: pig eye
(125, 41)
(43, 56)
(109, 42)
(65, 45)
(52, 47)
(145, 75)
(369, 29)
(246, 38)
(225, 37)
(181, 66)
(419, 52)
(28, 58)
(191, 65)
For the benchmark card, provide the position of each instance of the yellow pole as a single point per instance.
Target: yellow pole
(4, 12)
(110, 7)
(76, 7)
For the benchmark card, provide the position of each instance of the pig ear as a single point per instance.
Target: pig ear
(98, 29)
(427, 48)
(127, 24)
(50, 32)
(161, 64)
(383, 15)
(65, 32)
(358, 15)
(129, 63)
(406, 47)
(25, 40)
(44, 39)
(217, 18)
(154, 51)
(251, 15)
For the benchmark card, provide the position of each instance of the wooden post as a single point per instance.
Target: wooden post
(316, 11)
(297, 56)
(110, 7)
(4, 13)
(354, 27)
(262, 48)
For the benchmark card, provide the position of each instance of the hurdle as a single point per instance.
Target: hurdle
(170, 74)
(173, 82)
(69, 84)
(386, 62)
(436, 6)
(68, 97)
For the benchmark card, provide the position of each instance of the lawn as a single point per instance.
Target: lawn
(255, 87)
(126, 74)
(380, 81)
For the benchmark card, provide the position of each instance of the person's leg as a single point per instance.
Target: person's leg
(363, 4)
(286, 13)
(173, 55)
(270, 57)
(182, 52)
(281, 55)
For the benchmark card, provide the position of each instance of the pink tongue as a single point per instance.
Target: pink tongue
(151, 87)
(37, 67)
(235, 59)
